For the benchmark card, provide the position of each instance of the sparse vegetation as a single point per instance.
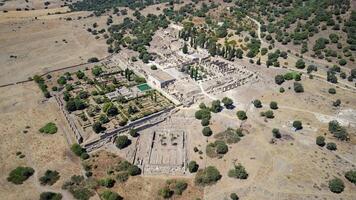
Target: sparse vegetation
(20, 174)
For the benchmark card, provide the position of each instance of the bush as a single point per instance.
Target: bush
(108, 182)
(337, 130)
(133, 132)
(93, 59)
(298, 87)
(77, 149)
(205, 122)
(331, 146)
(165, 192)
(332, 91)
(351, 176)
(207, 176)
(221, 147)
(320, 140)
(134, 170)
(336, 185)
(20, 174)
(273, 105)
(300, 64)
(49, 178)
(269, 114)
(207, 131)
(122, 141)
(228, 103)
(109, 195)
(276, 133)
(84, 156)
(97, 127)
(337, 103)
(241, 115)
(50, 196)
(193, 166)
(49, 128)
(233, 196)
(203, 114)
(297, 125)
(238, 172)
(281, 90)
(279, 79)
(122, 177)
(257, 103)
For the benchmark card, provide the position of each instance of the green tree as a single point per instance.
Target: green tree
(336, 185)
(351, 176)
(297, 125)
(50, 196)
(109, 195)
(300, 64)
(276, 133)
(228, 103)
(193, 166)
(207, 131)
(207, 176)
(273, 105)
(238, 172)
(279, 79)
(320, 141)
(20, 174)
(257, 103)
(122, 141)
(241, 115)
(331, 146)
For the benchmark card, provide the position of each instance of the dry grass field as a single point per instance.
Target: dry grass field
(23, 112)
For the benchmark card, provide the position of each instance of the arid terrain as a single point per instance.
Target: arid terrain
(184, 100)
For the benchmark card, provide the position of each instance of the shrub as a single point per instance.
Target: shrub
(300, 64)
(320, 140)
(50, 196)
(207, 176)
(134, 170)
(205, 122)
(207, 131)
(49, 178)
(297, 125)
(276, 133)
(331, 146)
(221, 147)
(241, 115)
(233, 196)
(228, 103)
(269, 114)
(109, 195)
(273, 105)
(336, 185)
(281, 90)
(298, 87)
(337, 103)
(215, 106)
(122, 177)
(203, 114)
(332, 91)
(351, 176)
(257, 103)
(238, 172)
(49, 128)
(108, 182)
(133, 132)
(193, 166)
(20, 174)
(279, 79)
(93, 59)
(97, 127)
(337, 130)
(84, 156)
(122, 141)
(165, 192)
(77, 149)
